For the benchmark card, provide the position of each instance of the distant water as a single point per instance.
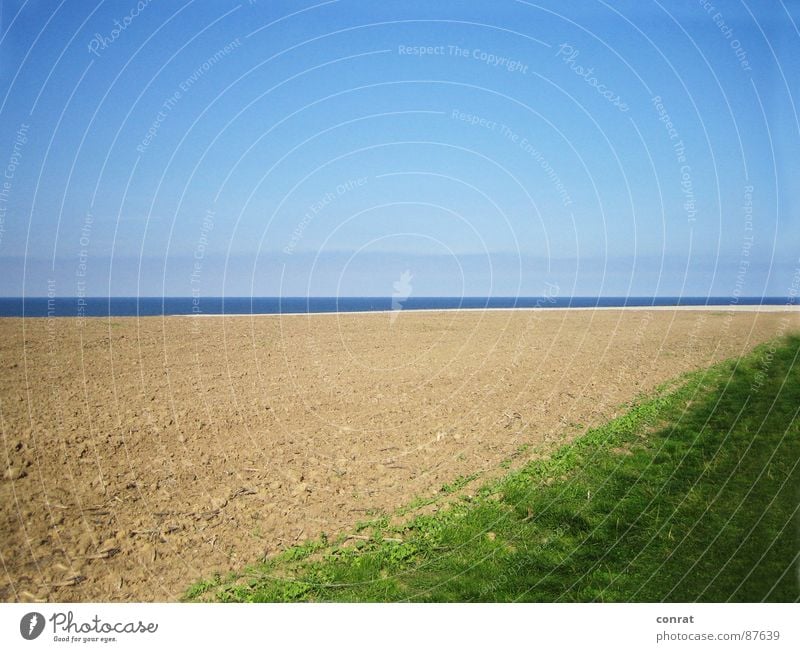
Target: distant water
(153, 306)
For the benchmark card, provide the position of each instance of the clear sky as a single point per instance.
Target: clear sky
(324, 148)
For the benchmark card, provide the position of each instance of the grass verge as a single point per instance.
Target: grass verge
(692, 495)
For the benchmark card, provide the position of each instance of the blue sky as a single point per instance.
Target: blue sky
(324, 148)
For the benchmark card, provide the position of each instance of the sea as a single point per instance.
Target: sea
(158, 306)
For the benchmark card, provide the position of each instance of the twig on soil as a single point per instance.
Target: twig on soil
(70, 581)
(361, 537)
(206, 515)
(244, 491)
(105, 554)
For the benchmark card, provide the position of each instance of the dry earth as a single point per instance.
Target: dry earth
(141, 455)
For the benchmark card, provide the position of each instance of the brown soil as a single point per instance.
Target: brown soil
(142, 455)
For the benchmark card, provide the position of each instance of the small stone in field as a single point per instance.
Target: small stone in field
(13, 473)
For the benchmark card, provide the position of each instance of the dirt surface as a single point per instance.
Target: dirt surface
(142, 455)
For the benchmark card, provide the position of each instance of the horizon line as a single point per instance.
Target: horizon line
(410, 298)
